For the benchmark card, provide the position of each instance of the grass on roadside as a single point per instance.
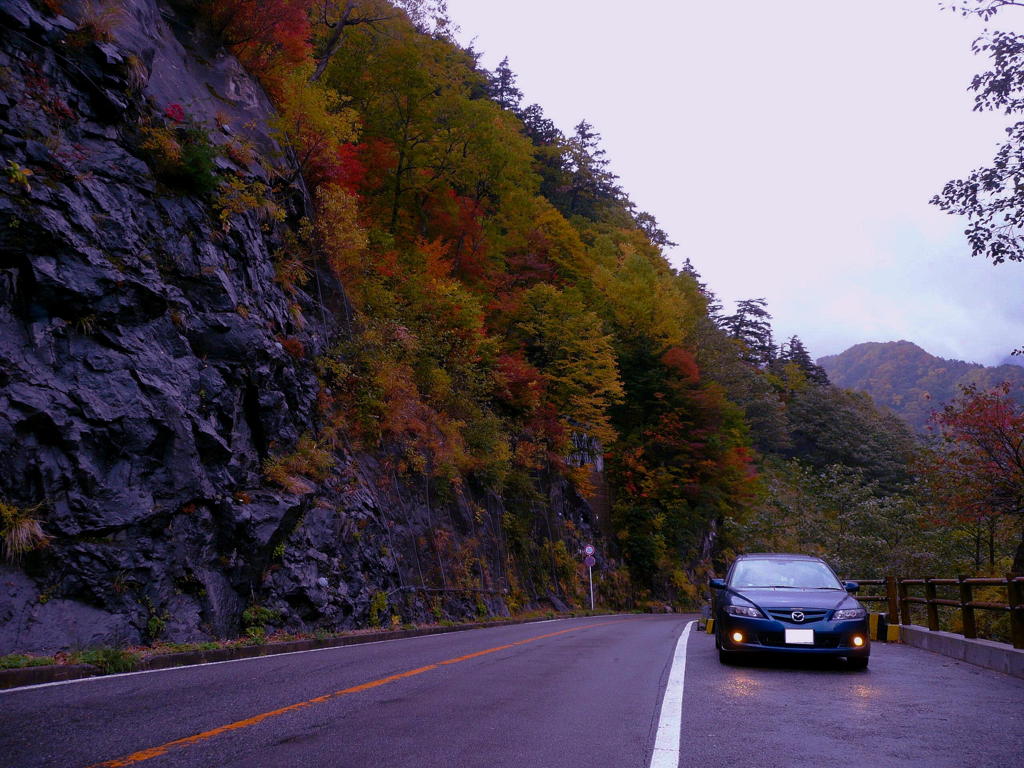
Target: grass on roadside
(109, 661)
(114, 660)
(20, 660)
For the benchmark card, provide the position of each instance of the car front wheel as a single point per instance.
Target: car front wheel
(857, 662)
(724, 656)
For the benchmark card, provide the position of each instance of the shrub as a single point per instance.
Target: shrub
(254, 621)
(137, 73)
(378, 607)
(293, 346)
(197, 171)
(240, 153)
(258, 616)
(21, 531)
(237, 196)
(311, 123)
(341, 237)
(17, 661)
(309, 460)
(264, 35)
(18, 176)
(161, 144)
(175, 113)
(110, 661)
(96, 22)
(156, 623)
(291, 262)
(256, 635)
(181, 153)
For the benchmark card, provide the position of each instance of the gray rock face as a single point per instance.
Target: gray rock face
(142, 379)
(56, 625)
(136, 396)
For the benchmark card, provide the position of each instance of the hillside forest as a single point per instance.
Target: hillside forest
(913, 384)
(488, 313)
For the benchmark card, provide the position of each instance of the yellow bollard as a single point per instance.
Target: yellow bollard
(873, 625)
(710, 627)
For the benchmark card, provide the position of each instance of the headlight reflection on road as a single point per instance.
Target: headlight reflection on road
(865, 698)
(742, 686)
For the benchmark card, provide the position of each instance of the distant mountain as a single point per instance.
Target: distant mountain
(903, 377)
(1013, 360)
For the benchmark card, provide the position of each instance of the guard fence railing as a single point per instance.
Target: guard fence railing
(900, 595)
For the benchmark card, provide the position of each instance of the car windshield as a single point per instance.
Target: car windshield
(794, 574)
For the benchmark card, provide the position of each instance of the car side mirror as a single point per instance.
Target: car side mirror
(717, 583)
(851, 586)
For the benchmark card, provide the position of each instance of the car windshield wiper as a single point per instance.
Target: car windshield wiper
(785, 586)
(770, 586)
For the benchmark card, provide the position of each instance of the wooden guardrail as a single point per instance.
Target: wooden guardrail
(899, 600)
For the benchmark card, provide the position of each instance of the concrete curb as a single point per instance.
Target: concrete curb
(16, 678)
(983, 653)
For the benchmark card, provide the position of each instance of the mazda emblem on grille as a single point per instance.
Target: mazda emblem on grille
(798, 616)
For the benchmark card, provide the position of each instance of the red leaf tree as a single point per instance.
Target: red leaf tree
(978, 470)
(262, 32)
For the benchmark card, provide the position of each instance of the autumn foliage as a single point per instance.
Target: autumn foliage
(264, 34)
(977, 469)
(508, 317)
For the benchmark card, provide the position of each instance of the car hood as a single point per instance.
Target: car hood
(797, 598)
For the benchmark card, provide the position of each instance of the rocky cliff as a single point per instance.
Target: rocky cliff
(151, 363)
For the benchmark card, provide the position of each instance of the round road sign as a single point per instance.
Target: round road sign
(590, 562)
(588, 550)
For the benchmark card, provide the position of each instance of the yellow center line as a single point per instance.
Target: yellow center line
(163, 749)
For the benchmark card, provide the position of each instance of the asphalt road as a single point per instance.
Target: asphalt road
(909, 708)
(583, 692)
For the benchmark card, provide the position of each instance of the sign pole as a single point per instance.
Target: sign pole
(589, 561)
(590, 577)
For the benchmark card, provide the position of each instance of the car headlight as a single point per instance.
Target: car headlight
(844, 614)
(743, 610)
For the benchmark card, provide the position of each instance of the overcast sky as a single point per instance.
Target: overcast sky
(789, 147)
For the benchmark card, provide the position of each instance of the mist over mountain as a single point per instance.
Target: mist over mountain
(1017, 360)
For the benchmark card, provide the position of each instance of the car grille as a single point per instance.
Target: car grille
(786, 615)
(778, 639)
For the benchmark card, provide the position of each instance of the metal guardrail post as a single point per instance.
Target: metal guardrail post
(966, 609)
(933, 609)
(1015, 597)
(894, 605)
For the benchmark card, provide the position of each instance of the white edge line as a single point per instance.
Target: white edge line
(670, 721)
(97, 678)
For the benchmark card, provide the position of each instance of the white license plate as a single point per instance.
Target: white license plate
(800, 637)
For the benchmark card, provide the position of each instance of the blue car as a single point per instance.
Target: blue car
(790, 604)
